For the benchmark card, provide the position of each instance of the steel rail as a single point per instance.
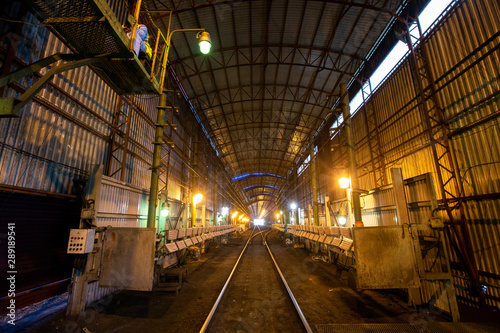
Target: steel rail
(294, 301)
(206, 324)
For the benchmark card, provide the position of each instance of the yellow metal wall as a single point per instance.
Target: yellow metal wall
(463, 53)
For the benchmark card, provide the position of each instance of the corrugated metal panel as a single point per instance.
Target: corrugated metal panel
(471, 87)
(47, 147)
(96, 294)
(467, 88)
(122, 205)
(66, 130)
(50, 159)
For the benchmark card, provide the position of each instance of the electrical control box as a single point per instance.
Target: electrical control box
(81, 241)
(436, 222)
(87, 213)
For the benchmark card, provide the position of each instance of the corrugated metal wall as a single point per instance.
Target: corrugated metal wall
(463, 55)
(122, 205)
(77, 121)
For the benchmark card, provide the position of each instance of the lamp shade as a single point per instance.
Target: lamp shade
(204, 42)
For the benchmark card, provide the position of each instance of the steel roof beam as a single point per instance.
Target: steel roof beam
(264, 64)
(177, 9)
(253, 187)
(327, 93)
(293, 47)
(250, 125)
(245, 140)
(252, 164)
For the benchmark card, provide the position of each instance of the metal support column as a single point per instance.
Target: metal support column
(344, 104)
(435, 121)
(155, 173)
(214, 206)
(155, 168)
(312, 161)
(373, 137)
(203, 219)
(328, 218)
(193, 179)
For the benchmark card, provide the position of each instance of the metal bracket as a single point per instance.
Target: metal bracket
(36, 66)
(35, 88)
(6, 107)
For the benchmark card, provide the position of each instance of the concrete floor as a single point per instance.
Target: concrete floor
(254, 302)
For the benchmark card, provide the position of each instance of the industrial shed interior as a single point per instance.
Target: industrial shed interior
(250, 165)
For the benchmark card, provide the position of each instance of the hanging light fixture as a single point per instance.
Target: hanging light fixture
(204, 42)
(342, 215)
(344, 182)
(197, 198)
(164, 211)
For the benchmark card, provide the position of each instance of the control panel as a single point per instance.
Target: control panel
(81, 241)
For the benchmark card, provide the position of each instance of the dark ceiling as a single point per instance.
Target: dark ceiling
(264, 89)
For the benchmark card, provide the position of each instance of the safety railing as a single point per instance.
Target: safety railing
(153, 63)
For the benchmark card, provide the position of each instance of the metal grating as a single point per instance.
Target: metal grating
(89, 36)
(427, 327)
(93, 27)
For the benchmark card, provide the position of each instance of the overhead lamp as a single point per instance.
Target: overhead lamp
(342, 217)
(164, 211)
(204, 42)
(197, 198)
(278, 216)
(234, 215)
(293, 206)
(344, 182)
(225, 210)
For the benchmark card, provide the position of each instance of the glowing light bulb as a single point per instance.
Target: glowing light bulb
(344, 182)
(197, 198)
(205, 47)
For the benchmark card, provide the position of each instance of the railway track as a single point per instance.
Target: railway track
(271, 306)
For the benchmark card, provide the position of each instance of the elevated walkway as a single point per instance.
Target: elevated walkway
(94, 27)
